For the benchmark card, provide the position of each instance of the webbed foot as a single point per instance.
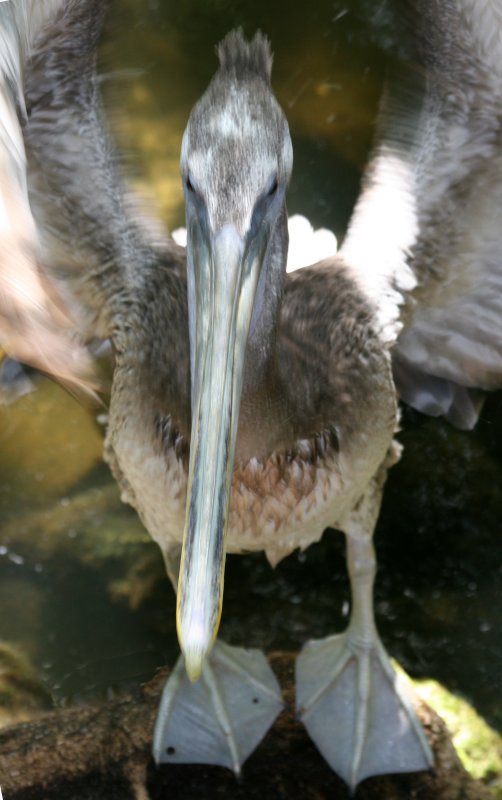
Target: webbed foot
(356, 709)
(222, 717)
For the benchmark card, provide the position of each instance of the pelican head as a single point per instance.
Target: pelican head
(236, 162)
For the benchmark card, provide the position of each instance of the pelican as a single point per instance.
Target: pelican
(250, 410)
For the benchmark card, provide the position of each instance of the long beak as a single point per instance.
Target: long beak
(222, 286)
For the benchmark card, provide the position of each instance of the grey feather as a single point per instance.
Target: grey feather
(433, 266)
(240, 57)
(34, 323)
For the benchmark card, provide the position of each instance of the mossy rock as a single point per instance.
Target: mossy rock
(478, 746)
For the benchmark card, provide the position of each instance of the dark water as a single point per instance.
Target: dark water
(64, 597)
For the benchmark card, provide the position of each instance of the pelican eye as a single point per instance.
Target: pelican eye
(273, 188)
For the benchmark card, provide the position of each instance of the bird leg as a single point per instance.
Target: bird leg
(354, 705)
(221, 718)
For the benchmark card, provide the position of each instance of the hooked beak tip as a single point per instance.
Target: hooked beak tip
(193, 668)
(194, 662)
(196, 643)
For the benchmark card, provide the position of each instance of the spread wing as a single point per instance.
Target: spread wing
(425, 240)
(95, 237)
(34, 325)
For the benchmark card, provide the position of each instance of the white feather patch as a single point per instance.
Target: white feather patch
(306, 245)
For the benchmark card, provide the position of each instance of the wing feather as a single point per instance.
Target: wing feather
(425, 240)
(34, 326)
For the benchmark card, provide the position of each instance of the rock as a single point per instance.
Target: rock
(94, 753)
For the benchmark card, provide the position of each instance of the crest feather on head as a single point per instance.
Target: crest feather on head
(244, 58)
